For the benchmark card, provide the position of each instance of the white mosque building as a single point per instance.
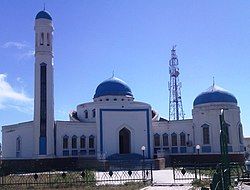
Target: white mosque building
(114, 123)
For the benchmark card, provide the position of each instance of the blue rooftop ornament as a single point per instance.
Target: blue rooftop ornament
(113, 86)
(43, 14)
(214, 94)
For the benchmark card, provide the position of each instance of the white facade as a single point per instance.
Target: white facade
(114, 124)
(247, 147)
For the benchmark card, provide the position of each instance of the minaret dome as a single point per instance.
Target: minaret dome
(43, 14)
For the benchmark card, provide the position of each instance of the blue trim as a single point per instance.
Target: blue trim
(101, 132)
(149, 148)
(194, 149)
(65, 152)
(136, 110)
(156, 150)
(167, 150)
(92, 152)
(74, 152)
(42, 146)
(83, 152)
(183, 149)
(206, 148)
(55, 139)
(230, 148)
(242, 148)
(174, 149)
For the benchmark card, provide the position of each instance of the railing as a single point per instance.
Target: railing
(111, 173)
(204, 171)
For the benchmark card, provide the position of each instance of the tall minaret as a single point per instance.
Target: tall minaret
(44, 90)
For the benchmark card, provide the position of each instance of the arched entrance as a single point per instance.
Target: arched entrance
(124, 141)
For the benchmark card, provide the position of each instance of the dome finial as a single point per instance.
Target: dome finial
(43, 6)
(113, 74)
(213, 81)
(174, 47)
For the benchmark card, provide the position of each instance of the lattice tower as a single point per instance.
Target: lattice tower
(175, 102)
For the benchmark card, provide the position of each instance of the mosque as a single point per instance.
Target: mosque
(114, 123)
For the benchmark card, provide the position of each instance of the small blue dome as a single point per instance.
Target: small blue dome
(113, 86)
(214, 94)
(43, 14)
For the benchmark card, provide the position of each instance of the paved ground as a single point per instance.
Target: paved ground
(243, 186)
(166, 177)
(164, 180)
(167, 188)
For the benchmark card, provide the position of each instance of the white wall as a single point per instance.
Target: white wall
(209, 114)
(118, 115)
(247, 146)
(11, 133)
(70, 129)
(114, 121)
(185, 126)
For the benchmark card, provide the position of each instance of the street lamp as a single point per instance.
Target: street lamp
(198, 148)
(143, 169)
(198, 152)
(143, 151)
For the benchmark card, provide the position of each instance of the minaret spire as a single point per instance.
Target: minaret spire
(175, 103)
(44, 92)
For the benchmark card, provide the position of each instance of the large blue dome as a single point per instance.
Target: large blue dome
(113, 86)
(214, 94)
(43, 14)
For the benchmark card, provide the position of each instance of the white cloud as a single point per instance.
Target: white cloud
(24, 51)
(18, 45)
(27, 54)
(10, 98)
(19, 79)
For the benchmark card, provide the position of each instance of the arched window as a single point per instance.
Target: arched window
(18, 147)
(91, 141)
(174, 139)
(74, 142)
(93, 113)
(42, 39)
(227, 132)
(37, 40)
(48, 39)
(165, 139)
(65, 142)
(206, 136)
(240, 134)
(182, 139)
(18, 144)
(83, 142)
(91, 145)
(86, 115)
(157, 140)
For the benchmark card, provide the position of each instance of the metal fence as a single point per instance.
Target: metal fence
(113, 174)
(204, 171)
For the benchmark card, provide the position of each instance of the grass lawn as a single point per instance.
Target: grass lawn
(126, 186)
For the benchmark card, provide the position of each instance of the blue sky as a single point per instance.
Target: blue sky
(133, 38)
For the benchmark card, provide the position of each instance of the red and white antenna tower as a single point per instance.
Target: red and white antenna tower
(175, 103)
